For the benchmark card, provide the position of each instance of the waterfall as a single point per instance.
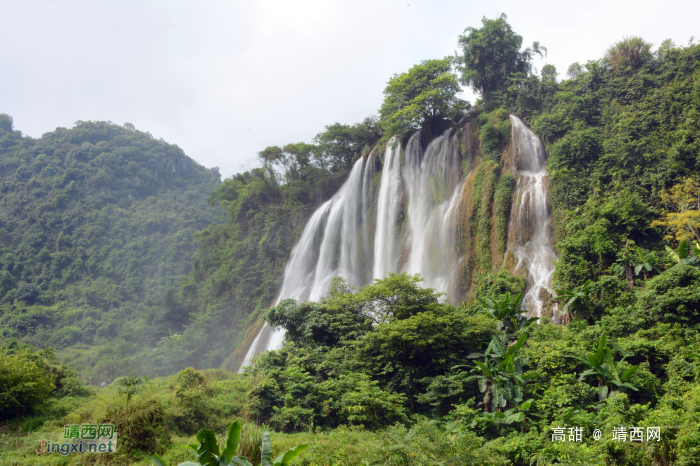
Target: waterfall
(530, 218)
(310, 269)
(386, 244)
(338, 239)
(367, 201)
(433, 187)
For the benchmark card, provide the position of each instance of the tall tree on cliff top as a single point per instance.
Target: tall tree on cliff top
(491, 55)
(417, 98)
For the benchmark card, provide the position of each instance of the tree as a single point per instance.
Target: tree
(25, 378)
(683, 256)
(574, 70)
(339, 144)
(629, 52)
(492, 54)
(549, 73)
(682, 214)
(422, 95)
(508, 312)
(666, 46)
(292, 159)
(601, 363)
(6, 123)
(500, 378)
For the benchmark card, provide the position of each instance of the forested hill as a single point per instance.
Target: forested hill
(96, 226)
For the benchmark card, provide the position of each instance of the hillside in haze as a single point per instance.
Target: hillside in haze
(96, 227)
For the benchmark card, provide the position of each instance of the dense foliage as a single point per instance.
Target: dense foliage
(623, 163)
(421, 97)
(96, 227)
(29, 378)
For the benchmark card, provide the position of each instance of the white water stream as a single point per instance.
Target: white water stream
(386, 241)
(433, 184)
(531, 228)
(310, 269)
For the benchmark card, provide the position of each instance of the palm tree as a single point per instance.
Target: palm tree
(630, 51)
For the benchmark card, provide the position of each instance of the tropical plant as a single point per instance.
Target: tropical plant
(508, 311)
(501, 378)
(682, 255)
(641, 262)
(645, 260)
(284, 458)
(630, 51)
(601, 363)
(207, 450)
(577, 300)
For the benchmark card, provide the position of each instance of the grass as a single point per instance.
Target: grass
(158, 419)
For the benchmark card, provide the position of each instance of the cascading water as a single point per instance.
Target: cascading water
(367, 201)
(386, 243)
(428, 189)
(309, 270)
(433, 184)
(530, 237)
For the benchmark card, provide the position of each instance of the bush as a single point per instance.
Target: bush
(429, 443)
(25, 378)
(490, 137)
(68, 383)
(673, 296)
(141, 426)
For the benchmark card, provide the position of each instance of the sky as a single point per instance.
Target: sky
(225, 79)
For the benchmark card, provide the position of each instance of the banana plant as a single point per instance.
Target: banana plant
(284, 458)
(682, 256)
(601, 363)
(207, 451)
(508, 310)
(576, 300)
(500, 378)
(512, 415)
(646, 261)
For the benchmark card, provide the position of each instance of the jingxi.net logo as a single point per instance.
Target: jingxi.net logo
(82, 438)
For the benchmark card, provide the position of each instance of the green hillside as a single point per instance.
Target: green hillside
(96, 227)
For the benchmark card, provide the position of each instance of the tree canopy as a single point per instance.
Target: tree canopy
(491, 54)
(417, 98)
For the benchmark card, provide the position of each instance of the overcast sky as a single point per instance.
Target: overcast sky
(225, 79)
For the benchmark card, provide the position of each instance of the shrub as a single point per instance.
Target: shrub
(673, 296)
(25, 380)
(141, 425)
